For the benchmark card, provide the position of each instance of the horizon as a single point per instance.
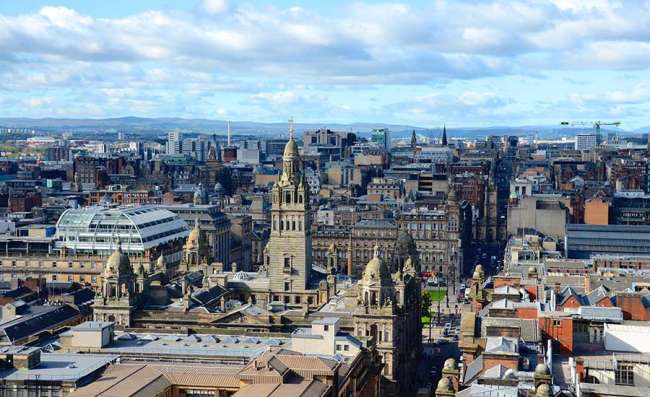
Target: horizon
(418, 63)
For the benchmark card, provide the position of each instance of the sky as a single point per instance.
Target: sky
(424, 63)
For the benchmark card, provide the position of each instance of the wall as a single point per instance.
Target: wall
(596, 212)
(562, 334)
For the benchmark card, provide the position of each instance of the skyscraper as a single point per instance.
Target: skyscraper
(174, 142)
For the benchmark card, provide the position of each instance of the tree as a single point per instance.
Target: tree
(426, 305)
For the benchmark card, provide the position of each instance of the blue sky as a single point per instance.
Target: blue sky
(424, 63)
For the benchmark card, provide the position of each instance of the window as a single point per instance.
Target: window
(286, 299)
(625, 374)
(297, 300)
(326, 327)
(338, 347)
(557, 323)
(287, 264)
(287, 286)
(346, 347)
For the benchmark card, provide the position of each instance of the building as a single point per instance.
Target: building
(215, 226)
(586, 142)
(586, 241)
(174, 142)
(85, 237)
(597, 211)
(27, 371)
(381, 137)
(544, 214)
(142, 230)
(631, 208)
(289, 249)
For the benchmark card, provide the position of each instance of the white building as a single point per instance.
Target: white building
(97, 230)
(174, 142)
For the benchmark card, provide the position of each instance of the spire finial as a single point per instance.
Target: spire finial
(291, 130)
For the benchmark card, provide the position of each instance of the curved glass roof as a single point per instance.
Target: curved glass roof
(137, 227)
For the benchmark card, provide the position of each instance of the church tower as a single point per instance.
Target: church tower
(289, 247)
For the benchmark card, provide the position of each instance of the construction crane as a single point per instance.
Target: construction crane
(594, 124)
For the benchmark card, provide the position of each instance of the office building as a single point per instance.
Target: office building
(586, 142)
(174, 142)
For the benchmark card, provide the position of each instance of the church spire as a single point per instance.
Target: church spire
(414, 140)
(350, 255)
(444, 135)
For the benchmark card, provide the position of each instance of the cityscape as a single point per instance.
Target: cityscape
(347, 199)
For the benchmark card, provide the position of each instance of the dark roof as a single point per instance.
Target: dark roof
(208, 296)
(83, 295)
(20, 292)
(41, 319)
(566, 293)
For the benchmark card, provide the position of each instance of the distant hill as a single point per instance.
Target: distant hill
(157, 126)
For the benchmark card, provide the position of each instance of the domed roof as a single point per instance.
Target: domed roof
(543, 390)
(218, 188)
(376, 268)
(444, 385)
(118, 262)
(542, 370)
(478, 271)
(532, 269)
(291, 148)
(450, 363)
(194, 237)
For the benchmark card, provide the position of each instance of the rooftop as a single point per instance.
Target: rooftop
(60, 367)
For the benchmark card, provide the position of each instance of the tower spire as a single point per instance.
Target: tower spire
(291, 129)
(228, 133)
(444, 135)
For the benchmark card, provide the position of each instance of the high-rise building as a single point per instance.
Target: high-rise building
(381, 136)
(585, 142)
(174, 142)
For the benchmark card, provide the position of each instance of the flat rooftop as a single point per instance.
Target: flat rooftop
(60, 367)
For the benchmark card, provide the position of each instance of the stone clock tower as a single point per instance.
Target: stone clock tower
(289, 247)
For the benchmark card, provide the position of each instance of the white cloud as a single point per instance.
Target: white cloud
(291, 57)
(215, 6)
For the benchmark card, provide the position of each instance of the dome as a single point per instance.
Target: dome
(118, 261)
(376, 268)
(291, 148)
(444, 385)
(218, 188)
(450, 364)
(532, 269)
(478, 272)
(543, 390)
(194, 237)
(542, 370)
